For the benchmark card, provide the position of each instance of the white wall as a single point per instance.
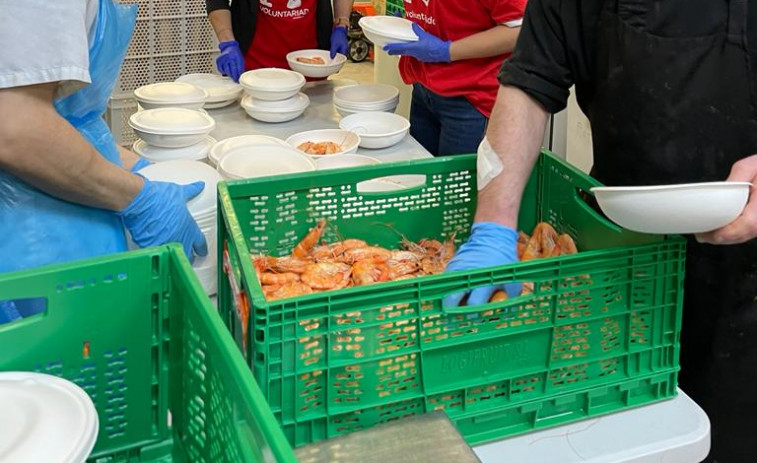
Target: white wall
(578, 142)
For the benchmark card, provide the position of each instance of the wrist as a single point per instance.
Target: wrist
(137, 185)
(341, 22)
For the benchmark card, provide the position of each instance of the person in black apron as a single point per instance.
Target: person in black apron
(670, 88)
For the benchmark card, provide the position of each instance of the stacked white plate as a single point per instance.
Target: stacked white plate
(202, 207)
(45, 418)
(171, 95)
(222, 91)
(366, 97)
(382, 30)
(220, 148)
(273, 95)
(244, 162)
(171, 127)
(197, 152)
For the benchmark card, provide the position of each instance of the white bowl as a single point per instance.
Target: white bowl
(344, 112)
(184, 173)
(382, 30)
(668, 209)
(272, 83)
(171, 94)
(196, 152)
(345, 161)
(220, 148)
(221, 90)
(171, 127)
(273, 114)
(377, 129)
(348, 141)
(220, 104)
(330, 66)
(365, 95)
(263, 161)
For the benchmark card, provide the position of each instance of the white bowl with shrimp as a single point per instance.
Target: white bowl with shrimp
(342, 141)
(302, 61)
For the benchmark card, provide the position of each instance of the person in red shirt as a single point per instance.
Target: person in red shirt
(257, 34)
(453, 68)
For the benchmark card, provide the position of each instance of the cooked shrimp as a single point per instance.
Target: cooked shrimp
(313, 60)
(432, 265)
(367, 252)
(566, 245)
(311, 239)
(327, 275)
(319, 148)
(498, 296)
(403, 263)
(270, 278)
(368, 271)
(281, 264)
(547, 237)
(333, 251)
(290, 290)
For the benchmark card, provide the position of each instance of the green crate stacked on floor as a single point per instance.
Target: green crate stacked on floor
(138, 334)
(600, 333)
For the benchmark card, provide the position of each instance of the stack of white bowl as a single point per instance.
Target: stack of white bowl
(172, 124)
(222, 147)
(244, 162)
(202, 207)
(222, 91)
(382, 30)
(366, 97)
(273, 95)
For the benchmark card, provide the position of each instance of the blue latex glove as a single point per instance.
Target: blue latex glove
(398, 14)
(159, 215)
(490, 245)
(8, 312)
(339, 41)
(139, 165)
(231, 60)
(429, 48)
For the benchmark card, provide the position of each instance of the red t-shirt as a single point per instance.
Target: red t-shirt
(282, 26)
(476, 79)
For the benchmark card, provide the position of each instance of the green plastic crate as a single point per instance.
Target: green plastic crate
(393, 6)
(136, 331)
(599, 334)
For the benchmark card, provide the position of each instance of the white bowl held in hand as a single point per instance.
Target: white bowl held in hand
(315, 70)
(276, 111)
(674, 209)
(377, 129)
(263, 161)
(171, 127)
(220, 148)
(345, 161)
(272, 84)
(171, 95)
(382, 30)
(346, 141)
(184, 173)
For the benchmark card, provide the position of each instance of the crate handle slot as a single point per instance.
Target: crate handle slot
(394, 184)
(14, 311)
(585, 200)
(518, 300)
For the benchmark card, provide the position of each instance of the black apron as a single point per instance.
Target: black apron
(675, 110)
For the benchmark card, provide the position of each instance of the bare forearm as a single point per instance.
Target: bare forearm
(128, 158)
(221, 22)
(43, 149)
(342, 9)
(515, 132)
(493, 42)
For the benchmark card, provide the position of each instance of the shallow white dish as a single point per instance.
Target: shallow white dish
(171, 127)
(196, 152)
(382, 30)
(272, 83)
(331, 66)
(377, 129)
(365, 95)
(344, 112)
(271, 113)
(171, 94)
(263, 161)
(221, 90)
(45, 419)
(345, 161)
(186, 172)
(220, 104)
(220, 148)
(348, 141)
(669, 209)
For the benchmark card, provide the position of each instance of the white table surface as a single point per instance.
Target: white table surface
(674, 431)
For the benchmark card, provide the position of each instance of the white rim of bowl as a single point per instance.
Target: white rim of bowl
(679, 186)
(138, 95)
(134, 123)
(248, 105)
(373, 135)
(300, 82)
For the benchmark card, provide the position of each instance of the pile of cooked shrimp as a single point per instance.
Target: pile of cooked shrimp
(316, 267)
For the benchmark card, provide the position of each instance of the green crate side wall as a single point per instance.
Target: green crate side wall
(562, 203)
(123, 301)
(393, 6)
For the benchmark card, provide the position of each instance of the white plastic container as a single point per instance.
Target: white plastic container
(382, 30)
(330, 66)
(186, 172)
(272, 83)
(348, 141)
(263, 161)
(44, 418)
(222, 91)
(171, 127)
(674, 209)
(377, 129)
(171, 94)
(220, 148)
(196, 152)
(366, 97)
(276, 111)
(348, 112)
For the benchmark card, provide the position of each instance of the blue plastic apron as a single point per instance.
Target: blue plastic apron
(37, 229)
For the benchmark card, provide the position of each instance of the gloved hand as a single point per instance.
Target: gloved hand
(428, 48)
(231, 60)
(490, 244)
(159, 215)
(339, 41)
(139, 165)
(398, 14)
